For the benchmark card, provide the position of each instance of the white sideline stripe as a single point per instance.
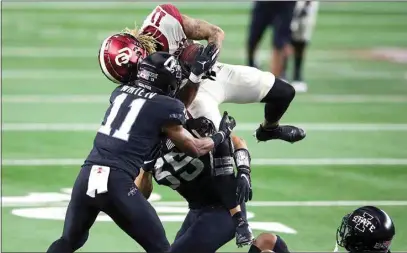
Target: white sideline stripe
(333, 203)
(328, 73)
(91, 52)
(126, 5)
(103, 99)
(324, 127)
(281, 162)
(306, 203)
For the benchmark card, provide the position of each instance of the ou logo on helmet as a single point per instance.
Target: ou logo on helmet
(124, 56)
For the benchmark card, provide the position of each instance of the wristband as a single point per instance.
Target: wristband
(242, 159)
(218, 138)
(194, 78)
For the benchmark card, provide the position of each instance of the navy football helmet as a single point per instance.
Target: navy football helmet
(367, 229)
(160, 72)
(200, 127)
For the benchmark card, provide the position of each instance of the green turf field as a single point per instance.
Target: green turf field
(54, 97)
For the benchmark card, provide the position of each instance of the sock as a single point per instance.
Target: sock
(280, 246)
(299, 47)
(254, 249)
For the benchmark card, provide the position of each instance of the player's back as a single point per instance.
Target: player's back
(132, 127)
(190, 177)
(164, 23)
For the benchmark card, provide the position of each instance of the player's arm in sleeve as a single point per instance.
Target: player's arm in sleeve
(144, 183)
(197, 29)
(187, 143)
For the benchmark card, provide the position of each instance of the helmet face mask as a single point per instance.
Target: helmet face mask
(200, 127)
(367, 229)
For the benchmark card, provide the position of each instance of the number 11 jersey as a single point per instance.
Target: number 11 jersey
(132, 128)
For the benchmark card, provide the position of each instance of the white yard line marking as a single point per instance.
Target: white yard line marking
(117, 5)
(333, 203)
(330, 161)
(89, 52)
(270, 161)
(337, 203)
(303, 98)
(42, 74)
(321, 127)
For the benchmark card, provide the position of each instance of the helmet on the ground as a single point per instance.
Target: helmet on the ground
(367, 229)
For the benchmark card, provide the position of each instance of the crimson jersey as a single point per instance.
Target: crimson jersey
(164, 23)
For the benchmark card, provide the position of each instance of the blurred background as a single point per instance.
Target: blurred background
(54, 97)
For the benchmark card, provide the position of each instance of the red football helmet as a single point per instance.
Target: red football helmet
(119, 57)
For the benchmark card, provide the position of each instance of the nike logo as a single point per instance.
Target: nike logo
(203, 63)
(247, 179)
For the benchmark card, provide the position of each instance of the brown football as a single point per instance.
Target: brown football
(189, 53)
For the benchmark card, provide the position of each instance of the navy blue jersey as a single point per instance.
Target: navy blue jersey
(132, 127)
(191, 177)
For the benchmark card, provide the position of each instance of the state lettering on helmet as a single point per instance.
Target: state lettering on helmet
(363, 222)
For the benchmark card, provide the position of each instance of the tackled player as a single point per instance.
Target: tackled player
(166, 29)
(140, 115)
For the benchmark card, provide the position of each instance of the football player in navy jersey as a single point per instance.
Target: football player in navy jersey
(208, 184)
(366, 229)
(139, 117)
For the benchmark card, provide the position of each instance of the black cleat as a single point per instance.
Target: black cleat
(285, 132)
(244, 235)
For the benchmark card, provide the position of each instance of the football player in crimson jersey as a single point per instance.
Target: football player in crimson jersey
(166, 29)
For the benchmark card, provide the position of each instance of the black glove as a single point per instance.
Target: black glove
(225, 129)
(244, 185)
(203, 63)
(227, 124)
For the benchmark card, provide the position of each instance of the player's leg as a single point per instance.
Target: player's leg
(260, 19)
(133, 213)
(191, 217)
(211, 230)
(267, 242)
(281, 36)
(243, 84)
(206, 102)
(80, 216)
(302, 27)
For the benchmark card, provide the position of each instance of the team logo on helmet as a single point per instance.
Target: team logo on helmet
(363, 222)
(119, 56)
(124, 56)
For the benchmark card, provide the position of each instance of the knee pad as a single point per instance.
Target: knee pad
(281, 91)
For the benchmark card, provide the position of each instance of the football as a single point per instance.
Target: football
(189, 53)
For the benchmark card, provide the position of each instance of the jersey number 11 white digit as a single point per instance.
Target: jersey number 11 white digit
(123, 132)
